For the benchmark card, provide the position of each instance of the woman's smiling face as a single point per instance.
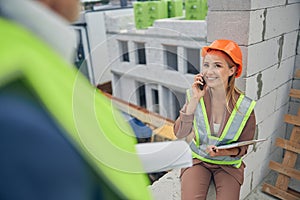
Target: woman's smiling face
(216, 70)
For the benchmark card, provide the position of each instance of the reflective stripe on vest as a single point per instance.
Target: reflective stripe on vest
(231, 133)
(92, 125)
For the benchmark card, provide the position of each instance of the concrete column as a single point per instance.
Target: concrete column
(181, 59)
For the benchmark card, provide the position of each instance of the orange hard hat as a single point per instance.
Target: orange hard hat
(231, 49)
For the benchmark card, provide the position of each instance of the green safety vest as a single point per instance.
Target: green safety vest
(231, 133)
(93, 126)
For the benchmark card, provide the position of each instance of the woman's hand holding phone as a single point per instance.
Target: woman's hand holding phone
(203, 84)
(197, 93)
(199, 85)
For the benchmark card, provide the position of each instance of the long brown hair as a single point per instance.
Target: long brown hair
(232, 92)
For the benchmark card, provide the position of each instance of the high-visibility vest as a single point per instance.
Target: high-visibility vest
(231, 133)
(98, 131)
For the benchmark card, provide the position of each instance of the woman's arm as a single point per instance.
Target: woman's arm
(184, 123)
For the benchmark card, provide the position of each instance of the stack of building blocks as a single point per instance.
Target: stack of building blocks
(157, 10)
(175, 8)
(141, 17)
(146, 12)
(195, 9)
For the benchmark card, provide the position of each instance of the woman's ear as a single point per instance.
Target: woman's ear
(232, 70)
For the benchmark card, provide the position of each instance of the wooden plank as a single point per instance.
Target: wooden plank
(295, 93)
(289, 160)
(294, 192)
(283, 180)
(288, 145)
(282, 169)
(297, 74)
(292, 119)
(270, 189)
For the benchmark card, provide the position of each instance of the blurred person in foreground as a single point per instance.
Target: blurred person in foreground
(216, 113)
(59, 137)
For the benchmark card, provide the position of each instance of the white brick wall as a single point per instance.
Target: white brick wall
(265, 106)
(259, 4)
(246, 187)
(252, 86)
(262, 56)
(244, 4)
(270, 125)
(285, 72)
(241, 84)
(289, 45)
(283, 95)
(229, 5)
(262, 154)
(256, 26)
(235, 28)
(259, 155)
(282, 20)
(270, 79)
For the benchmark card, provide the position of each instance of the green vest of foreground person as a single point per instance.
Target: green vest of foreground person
(93, 126)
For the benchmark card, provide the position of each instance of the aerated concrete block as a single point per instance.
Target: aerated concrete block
(268, 81)
(282, 20)
(262, 55)
(251, 87)
(265, 106)
(256, 26)
(285, 71)
(262, 154)
(234, 25)
(258, 4)
(228, 5)
(268, 127)
(283, 95)
(289, 45)
(246, 187)
(243, 5)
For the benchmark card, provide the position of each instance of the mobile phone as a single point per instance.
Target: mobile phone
(202, 86)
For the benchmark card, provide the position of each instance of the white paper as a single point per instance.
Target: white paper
(239, 144)
(164, 156)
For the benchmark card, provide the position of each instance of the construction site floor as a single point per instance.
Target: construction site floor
(168, 187)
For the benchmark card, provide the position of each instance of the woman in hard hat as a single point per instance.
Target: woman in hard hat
(216, 113)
